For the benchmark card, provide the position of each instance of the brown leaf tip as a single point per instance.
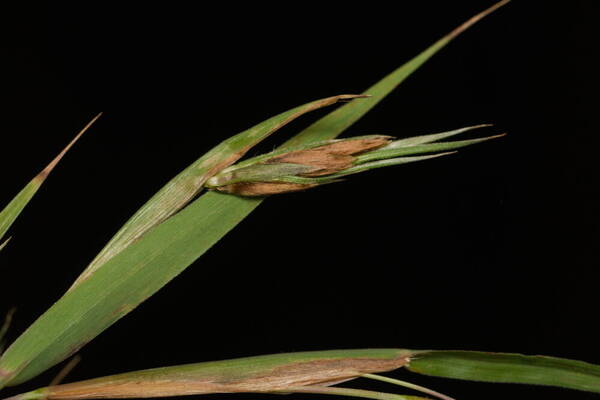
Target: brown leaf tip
(471, 21)
(42, 175)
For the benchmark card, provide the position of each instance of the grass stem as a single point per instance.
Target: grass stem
(408, 385)
(339, 391)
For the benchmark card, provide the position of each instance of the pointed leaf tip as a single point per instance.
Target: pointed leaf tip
(474, 19)
(42, 175)
(339, 120)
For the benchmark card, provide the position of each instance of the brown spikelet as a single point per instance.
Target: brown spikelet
(323, 161)
(332, 157)
(358, 146)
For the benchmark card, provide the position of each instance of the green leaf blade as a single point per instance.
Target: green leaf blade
(336, 122)
(10, 213)
(341, 119)
(508, 368)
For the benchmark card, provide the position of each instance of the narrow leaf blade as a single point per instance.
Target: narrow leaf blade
(339, 120)
(508, 368)
(119, 286)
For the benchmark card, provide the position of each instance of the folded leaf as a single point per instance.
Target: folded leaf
(264, 374)
(10, 213)
(508, 368)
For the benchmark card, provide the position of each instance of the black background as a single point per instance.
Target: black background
(492, 249)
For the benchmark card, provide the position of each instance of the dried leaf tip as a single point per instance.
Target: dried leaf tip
(476, 18)
(42, 175)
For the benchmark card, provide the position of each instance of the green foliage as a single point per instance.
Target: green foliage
(132, 270)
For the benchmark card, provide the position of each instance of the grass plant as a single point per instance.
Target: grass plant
(195, 210)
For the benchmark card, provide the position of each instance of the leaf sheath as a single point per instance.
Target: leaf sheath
(264, 374)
